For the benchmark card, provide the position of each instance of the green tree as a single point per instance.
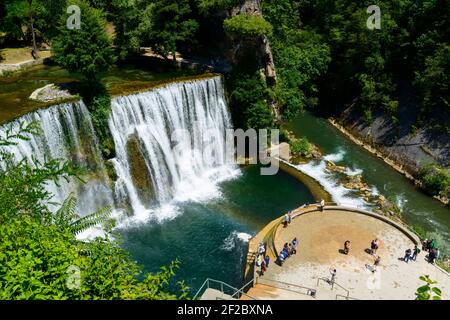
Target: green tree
(247, 25)
(171, 25)
(86, 50)
(14, 17)
(300, 146)
(207, 6)
(248, 100)
(433, 82)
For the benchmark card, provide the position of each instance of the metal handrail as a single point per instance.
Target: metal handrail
(332, 285)
(242, 290)
(222, 285)
(345, 297)
(309, 292)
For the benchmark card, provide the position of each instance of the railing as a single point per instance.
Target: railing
(241, 291)
(288, 286)
(209, 284)
(333, 283)
(339, 296)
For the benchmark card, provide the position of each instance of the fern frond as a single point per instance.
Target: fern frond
(66, 214)
(90, 220)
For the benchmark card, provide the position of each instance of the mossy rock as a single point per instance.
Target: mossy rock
(139, 172)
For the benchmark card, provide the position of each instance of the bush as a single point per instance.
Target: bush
(249, 95)
(300, 146)
(246, 25)
(436, 180)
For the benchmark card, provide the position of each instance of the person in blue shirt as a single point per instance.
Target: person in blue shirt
(267, 260)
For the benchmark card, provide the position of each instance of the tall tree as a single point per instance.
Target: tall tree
(87, 50)
(34, 52)
(171, 25)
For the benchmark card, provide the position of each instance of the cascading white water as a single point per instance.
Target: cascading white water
(186, 169)
(66, 133)
(180, 129)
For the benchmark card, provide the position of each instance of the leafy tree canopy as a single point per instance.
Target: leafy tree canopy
(86, 50)
(247, 25)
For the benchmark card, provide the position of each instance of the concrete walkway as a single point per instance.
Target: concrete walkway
(322, 235)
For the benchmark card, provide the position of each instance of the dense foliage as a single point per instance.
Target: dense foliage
(352, 61)
(247, 25)
(435, 180)
(14, 18)
(301, 57)
(248, 101)
(300, 146)
(86, 50)
(322, 48)
(40, 258)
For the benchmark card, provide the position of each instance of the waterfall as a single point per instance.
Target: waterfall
(194, 114)
(66, 133)
(170, 148)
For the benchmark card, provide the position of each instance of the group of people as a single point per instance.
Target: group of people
(288, 250)
(430, 246)
(411, 254)
(262, 260)
(374, 246)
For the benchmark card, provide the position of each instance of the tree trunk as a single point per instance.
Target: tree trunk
(34, 53)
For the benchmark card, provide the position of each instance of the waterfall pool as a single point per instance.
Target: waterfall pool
(210, 238)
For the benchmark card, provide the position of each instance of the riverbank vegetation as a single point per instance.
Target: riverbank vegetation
(40, 257)
(436, 180)
(326, 59)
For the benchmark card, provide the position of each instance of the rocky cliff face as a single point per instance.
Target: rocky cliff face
(253, 7)
(401, 141)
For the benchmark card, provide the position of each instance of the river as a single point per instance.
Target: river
(417, 208)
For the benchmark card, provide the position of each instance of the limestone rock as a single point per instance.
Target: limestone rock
(50, 92)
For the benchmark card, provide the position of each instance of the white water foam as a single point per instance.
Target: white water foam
(177, 176)
(230, 242)
(197, 107)
(317, 170)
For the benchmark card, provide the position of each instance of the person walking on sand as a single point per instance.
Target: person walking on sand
(267, 260)
(258, 260)
(286, 248)
(322, 204)
(347, 247)
(376, 263)
(416, 251)
(286, 220)
(263, 268)
(333, 276)
(407, 256)
(374, 245)
(425, 245)
(294, 245)
(432, 256)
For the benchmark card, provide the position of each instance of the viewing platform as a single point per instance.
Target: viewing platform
(321, 236)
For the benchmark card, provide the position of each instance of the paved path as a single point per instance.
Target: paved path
(322, 235)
